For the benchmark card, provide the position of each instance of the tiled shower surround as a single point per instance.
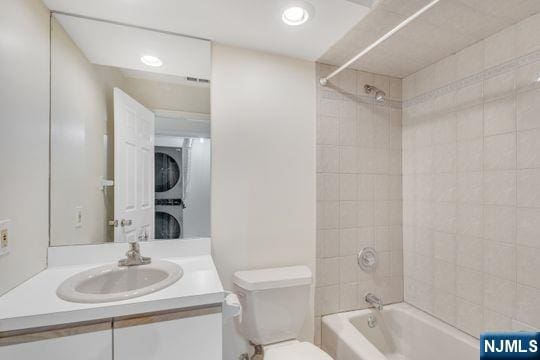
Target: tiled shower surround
(462, 175)
(359, 200)
(471, 184)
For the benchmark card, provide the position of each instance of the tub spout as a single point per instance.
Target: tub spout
(374, 301)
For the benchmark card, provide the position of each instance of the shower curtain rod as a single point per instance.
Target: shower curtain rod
(324, 80)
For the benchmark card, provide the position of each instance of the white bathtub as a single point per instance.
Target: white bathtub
(401, 332)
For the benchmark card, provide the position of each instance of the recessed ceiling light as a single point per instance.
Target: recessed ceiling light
(151, 60)
(295, 15)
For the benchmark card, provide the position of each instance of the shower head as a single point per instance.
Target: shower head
(379, 94)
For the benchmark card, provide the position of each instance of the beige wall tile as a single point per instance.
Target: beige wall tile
(499, 86)
(528, 147)
(470, 155)
(528, 188)
(499, 295)
(528, 231)
(469, 317)
(327, 158)
(493, 321)
(500, 47)
(327, 186)
(348, 186)
(500, 223)
(470, 60)
(471, 189)
(528, 35)
(500, 187)
(470, 123)
(499, 116)
(469, 285)
(500, 260)
(358, 187)
(500, 152)
(528, 305)
(327, 130)
(528, 266)
(527, 110)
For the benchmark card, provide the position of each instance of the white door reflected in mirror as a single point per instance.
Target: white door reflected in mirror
(133, 168)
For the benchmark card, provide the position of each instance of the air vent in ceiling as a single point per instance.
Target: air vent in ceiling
(194, 79)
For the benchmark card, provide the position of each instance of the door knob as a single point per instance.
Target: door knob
(125, 222)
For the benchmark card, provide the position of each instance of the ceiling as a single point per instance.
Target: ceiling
(252, 24)
(448, 27)
(120, 46)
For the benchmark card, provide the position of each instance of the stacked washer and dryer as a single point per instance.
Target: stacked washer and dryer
(169, 192)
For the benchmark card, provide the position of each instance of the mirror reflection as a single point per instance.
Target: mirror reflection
(130, 134)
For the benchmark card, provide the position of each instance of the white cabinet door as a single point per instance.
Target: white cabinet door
(89, 346)
(190, 338)
(133, 168)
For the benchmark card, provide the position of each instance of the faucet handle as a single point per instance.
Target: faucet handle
(143, 235)
(134, 257)
(367, 259)
(134, 250)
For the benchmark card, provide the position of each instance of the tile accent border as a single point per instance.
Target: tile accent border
(333, 92)
(473, 79)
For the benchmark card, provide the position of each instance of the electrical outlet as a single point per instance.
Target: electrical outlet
(78, 216)
(5, 240)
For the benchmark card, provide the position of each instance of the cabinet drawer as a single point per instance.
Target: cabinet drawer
(190, 334)
(82, 343)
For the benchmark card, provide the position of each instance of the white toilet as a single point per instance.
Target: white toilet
(274, 303)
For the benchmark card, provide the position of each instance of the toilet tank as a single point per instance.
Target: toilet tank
(274, 303)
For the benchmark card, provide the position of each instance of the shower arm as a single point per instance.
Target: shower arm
(324, 80)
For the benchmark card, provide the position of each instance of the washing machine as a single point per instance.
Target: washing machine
(169, 205)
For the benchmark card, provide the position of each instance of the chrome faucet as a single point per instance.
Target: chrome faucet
(133, 256)
(374, 301)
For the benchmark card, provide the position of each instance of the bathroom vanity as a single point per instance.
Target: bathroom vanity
(183, 320)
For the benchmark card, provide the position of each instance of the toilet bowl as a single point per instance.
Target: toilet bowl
(274, 305)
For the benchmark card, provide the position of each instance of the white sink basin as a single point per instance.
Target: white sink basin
(113, 283)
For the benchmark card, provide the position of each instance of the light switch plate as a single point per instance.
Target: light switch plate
(5, 237)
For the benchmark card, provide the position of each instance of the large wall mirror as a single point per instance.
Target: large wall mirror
(130, 134)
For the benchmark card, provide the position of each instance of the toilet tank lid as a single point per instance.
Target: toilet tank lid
(273, 278)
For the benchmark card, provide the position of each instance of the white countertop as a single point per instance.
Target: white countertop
(35, 303)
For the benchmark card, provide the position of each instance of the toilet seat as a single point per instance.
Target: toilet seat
(294, 350)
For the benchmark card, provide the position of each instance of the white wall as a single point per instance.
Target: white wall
(81, 143)
(184, 126)
(263, 166)
(24, 137)
(167, 95)
(197, 212)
